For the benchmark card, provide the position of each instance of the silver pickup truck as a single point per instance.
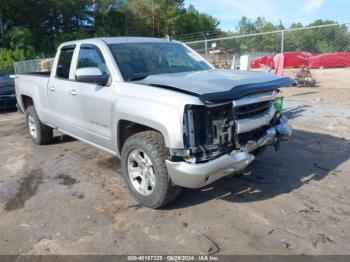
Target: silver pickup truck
(172, 119)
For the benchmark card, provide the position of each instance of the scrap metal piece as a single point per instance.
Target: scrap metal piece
(304, 78)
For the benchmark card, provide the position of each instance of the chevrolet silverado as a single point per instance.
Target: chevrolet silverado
(172, 118)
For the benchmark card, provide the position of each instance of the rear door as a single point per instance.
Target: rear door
(58, 89)
(91, 104)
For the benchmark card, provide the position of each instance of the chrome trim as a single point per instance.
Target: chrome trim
(217, 105)
(253, 99)
(198, 175)
(254, 122)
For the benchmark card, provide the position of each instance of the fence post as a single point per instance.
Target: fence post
(206, 48)
(282, 41)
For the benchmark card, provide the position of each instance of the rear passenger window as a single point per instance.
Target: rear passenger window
(90, 56)
(64, 62)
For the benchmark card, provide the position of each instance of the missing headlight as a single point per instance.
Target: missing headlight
(209, 131)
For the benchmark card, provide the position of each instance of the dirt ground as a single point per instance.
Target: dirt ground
(69, 198)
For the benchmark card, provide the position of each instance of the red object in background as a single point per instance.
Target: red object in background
(329, 60)
(300, 59)
(266, 60)
(296, 59)
(291, 60)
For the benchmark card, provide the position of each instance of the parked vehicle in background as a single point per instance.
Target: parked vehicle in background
(7, 91)
(173, 119)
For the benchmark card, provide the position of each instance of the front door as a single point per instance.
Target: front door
(91, 105)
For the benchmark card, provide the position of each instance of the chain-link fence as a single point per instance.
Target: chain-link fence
(299, 52)
(321, 41)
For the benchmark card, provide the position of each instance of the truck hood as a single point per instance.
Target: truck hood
(217, 86)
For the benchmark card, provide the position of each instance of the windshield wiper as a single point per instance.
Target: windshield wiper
(137, 77)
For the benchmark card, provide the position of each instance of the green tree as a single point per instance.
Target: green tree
(318, 40)
(19, 42)
(193, 21)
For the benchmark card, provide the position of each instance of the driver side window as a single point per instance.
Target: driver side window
(90, 56)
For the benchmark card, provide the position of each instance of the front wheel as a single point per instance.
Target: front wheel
(144, 170)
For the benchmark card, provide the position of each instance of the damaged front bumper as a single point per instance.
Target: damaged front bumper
(201, 174)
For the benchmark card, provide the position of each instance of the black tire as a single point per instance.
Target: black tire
(151, 143)
(44, 133)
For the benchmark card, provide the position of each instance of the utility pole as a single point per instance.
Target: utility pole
(282, 41)
(282, 36)
(205, 44)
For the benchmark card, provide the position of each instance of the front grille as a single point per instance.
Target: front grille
(251, 110)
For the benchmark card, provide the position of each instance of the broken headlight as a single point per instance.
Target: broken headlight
(209, 131)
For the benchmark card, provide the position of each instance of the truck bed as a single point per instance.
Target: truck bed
(33, 85)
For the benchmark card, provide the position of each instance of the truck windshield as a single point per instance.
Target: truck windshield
(139, 60)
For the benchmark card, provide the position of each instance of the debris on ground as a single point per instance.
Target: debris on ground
(136, 206)
(214, 249)
(309, 209)
(78, 195)
(178, 213)
(319, 237)
(285, 243)
(271, 231)
(304, 78)
(66, 180)
(59, 155)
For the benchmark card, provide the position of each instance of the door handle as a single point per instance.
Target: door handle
(73, 92)
(52, 88)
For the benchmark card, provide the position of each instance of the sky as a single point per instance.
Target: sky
(228, 12)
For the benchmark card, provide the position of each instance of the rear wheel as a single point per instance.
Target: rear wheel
(40, 134)
(144, 170)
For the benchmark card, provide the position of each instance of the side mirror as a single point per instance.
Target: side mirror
(91, 75)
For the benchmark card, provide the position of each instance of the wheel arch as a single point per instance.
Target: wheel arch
(26, 101)
(126, 128)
